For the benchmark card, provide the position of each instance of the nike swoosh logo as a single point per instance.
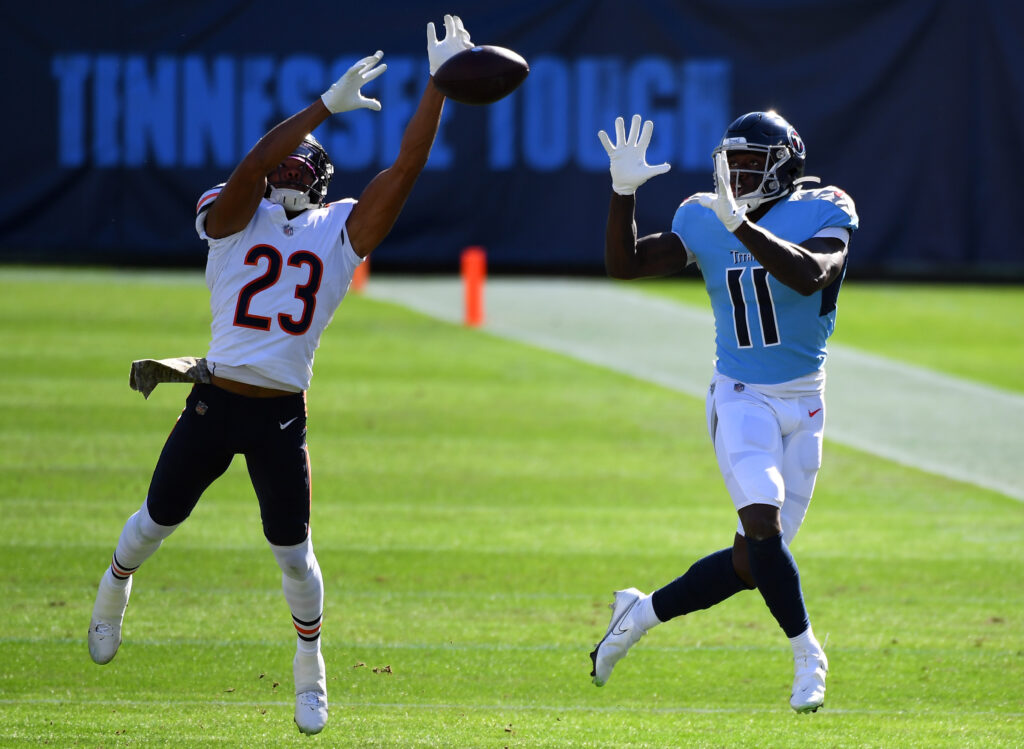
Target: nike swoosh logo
(812, 413)
(284, 424)
(616, 629)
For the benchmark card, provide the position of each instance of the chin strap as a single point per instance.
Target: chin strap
(754, 201)
(292, 200)
(750, 202)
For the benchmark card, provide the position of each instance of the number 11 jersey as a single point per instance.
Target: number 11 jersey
(765, 332)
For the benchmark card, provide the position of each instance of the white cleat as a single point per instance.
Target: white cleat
(310, 692)
(107, 617)
(809, 681)
(311, 712)
(623, 632)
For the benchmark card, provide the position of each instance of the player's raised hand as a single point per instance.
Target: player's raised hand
(628, 155)
(722, 202)
(456, 39)
(344, 94)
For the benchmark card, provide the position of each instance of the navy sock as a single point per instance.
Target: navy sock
(708, 581)
(774, 570)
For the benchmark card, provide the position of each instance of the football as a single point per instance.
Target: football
(481, 75)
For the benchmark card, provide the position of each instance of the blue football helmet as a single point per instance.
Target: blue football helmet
(785, 154)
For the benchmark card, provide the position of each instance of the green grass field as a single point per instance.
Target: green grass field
(476, 502)
(973, 332)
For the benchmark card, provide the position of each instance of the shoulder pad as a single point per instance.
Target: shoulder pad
(830, 194)
(207, 198)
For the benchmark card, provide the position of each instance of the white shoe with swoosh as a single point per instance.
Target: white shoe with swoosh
(310, 692)
(107, 618)
(810, 668)
(623, 632)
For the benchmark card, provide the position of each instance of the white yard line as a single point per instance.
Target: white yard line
(504, 708)
(911, 415)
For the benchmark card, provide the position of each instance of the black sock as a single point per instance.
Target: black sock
(708, 581)
(774, 570)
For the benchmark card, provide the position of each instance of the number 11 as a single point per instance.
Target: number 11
(765, 306)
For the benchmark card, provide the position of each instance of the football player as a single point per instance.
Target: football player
(280, 261)
(772, 253)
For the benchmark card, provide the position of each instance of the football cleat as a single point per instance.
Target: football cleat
(107, 617)
(623, 632)
(310, 692)
(810, 668)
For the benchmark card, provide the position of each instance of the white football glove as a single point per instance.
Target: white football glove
(628, 156)
(456, 39)
(344, 94)
(722, 202)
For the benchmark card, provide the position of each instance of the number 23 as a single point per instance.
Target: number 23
(305, 292)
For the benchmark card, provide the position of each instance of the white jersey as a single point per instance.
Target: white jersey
(274, 288)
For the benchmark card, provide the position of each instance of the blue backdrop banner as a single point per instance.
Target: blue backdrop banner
(120, 115)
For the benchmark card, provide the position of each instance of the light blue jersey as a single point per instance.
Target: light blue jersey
(765, 332)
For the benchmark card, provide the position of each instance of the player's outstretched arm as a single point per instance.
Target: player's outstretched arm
(382, 200)
(237, 201)
(624, 256)
(627, 257)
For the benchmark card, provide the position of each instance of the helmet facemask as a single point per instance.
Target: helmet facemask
(774, 180)
(297, 195)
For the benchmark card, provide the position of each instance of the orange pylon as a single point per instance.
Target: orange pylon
(474, 273)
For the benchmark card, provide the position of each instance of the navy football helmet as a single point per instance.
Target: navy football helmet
(298, 195)
(785, 154)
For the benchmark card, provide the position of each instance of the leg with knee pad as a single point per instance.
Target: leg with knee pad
(801, 461)
(793, 512)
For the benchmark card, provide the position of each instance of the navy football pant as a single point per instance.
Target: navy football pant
(217, 425)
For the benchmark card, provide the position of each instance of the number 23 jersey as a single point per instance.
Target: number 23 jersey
(766, 332)
(274, 287)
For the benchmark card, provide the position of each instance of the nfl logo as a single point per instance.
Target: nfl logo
(288, 230)
(201, 408)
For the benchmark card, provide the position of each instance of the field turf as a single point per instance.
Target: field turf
(475, 503)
